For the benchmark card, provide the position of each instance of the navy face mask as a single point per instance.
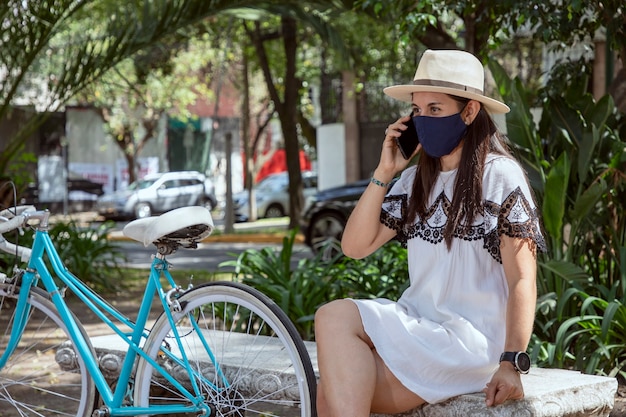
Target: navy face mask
(439, 135)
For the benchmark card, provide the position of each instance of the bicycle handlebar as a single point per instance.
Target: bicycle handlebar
(16, 211)
(12, 219)
(11, 224)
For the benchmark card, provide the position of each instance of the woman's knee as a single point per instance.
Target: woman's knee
(337, 316)
(334, 310)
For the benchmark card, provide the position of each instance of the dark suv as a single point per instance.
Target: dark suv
(326, 215)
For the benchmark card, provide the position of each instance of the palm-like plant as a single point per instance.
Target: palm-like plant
(575, 160)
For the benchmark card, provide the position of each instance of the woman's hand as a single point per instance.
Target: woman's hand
(391, 159)
(505, 385)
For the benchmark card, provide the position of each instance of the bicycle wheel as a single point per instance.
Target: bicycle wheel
(256, 363)
(43, 376)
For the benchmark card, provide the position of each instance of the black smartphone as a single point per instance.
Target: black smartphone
(408, 140)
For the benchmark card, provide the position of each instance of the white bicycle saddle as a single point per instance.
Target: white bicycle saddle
(184, 226)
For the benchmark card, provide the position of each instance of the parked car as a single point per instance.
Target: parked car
(326, 215)
(272, 196)
(158, 193)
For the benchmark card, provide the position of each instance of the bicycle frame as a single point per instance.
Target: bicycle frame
(37, 271)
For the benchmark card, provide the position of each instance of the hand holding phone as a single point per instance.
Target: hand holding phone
(408, 140)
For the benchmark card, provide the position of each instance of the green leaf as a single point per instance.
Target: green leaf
(600, 113)
(554, 196)
(566, 270)
(567, 120)
(564, 300)
(569, 331)
(586, 203)
(587, 145)
(609, 313)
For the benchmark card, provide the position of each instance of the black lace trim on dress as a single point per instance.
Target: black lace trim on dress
(395, 204)
(515, 217)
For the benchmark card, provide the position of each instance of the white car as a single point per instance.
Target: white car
(158, 193)
(272, 196)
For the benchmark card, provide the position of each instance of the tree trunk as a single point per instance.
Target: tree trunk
(287, 109)
(130, 154)
(247, 149)
(617, 88)
(289, 119)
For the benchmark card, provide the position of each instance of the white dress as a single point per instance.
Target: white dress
(445, 334)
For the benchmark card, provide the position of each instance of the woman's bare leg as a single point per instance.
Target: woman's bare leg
(353, 378)
(390, 396)
(347, 365)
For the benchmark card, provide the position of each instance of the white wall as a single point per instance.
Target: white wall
(331, 155)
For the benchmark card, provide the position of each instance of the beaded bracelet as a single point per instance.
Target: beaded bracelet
(379, 183)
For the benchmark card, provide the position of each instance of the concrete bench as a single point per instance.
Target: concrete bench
(549, 392)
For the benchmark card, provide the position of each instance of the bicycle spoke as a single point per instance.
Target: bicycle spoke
(32, 382)
(245, 355)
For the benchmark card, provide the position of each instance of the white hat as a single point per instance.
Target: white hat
(457, 73)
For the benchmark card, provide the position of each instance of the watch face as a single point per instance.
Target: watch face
(522, 361)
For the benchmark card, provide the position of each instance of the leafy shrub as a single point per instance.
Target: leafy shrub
(89, 255)
(596, 338)
(592, 341)
(86, 253)
(383, 274)
(300, 291)
(575, 158)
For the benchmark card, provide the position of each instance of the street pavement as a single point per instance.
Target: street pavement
(208, 256)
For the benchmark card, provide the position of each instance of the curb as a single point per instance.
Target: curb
(252, 238)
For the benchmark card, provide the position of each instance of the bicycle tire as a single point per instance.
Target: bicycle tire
(43, 376)
(245, 330)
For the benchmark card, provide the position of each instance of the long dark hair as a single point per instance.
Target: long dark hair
(481, 138)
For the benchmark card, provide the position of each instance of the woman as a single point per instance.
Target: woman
(466, 213)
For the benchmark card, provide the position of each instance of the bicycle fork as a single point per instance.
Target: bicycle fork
(21, 314)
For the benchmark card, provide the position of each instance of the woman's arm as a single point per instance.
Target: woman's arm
(519, 260)
(364, 233)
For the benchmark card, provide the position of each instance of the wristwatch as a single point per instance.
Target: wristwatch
(520, 361)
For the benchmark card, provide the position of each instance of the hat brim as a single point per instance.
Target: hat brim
(404, 93)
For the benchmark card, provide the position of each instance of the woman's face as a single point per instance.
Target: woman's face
(434, 105)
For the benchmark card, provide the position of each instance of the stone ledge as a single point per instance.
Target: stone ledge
(548, 392)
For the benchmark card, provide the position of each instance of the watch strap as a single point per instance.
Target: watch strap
(508, 357)
(513, 358)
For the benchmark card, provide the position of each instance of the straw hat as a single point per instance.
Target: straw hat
(457, 73)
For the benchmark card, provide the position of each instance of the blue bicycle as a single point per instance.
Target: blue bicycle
(219, 349)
